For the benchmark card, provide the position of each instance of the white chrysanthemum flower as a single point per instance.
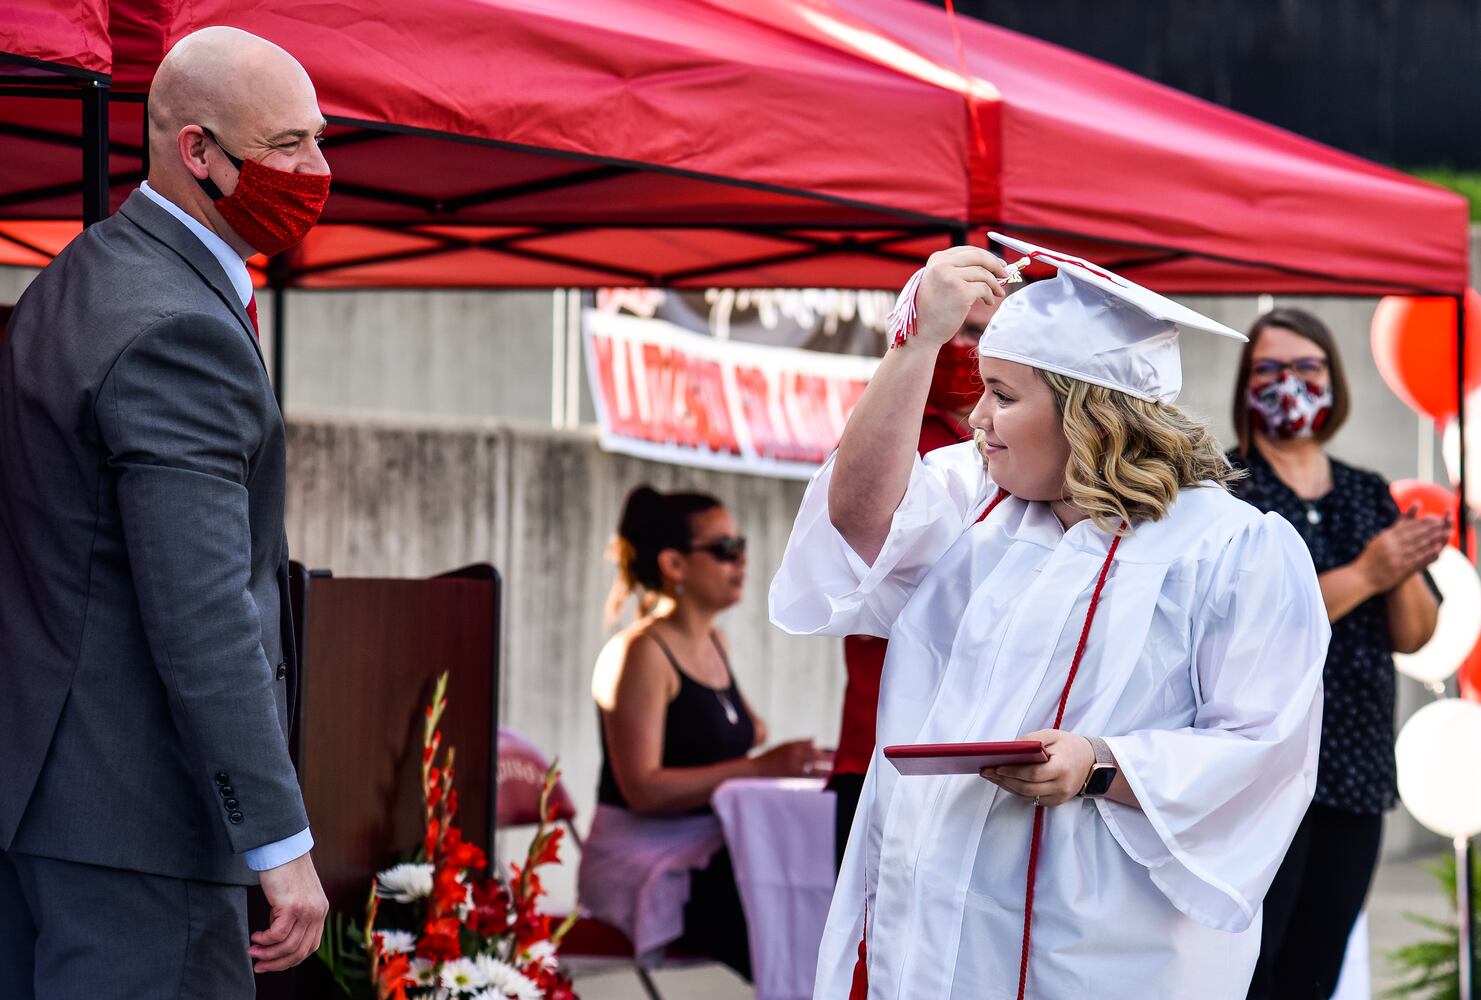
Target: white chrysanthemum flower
(424, 972)
(405, 883)
(544, 953)
(504, 980)
(397, 942)
(462, 976)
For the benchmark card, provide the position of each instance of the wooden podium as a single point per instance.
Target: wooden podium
(370, 651)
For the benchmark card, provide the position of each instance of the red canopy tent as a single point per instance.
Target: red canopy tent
(503, 143)
(629, 143)
(775, 142)
(1182, 194)
(55, 60)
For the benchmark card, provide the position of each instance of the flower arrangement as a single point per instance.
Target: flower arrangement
(472, 935)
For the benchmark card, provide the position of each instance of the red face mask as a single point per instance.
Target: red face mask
(955, 384)
(271, 209)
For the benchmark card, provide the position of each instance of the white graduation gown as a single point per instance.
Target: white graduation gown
(1203, 671)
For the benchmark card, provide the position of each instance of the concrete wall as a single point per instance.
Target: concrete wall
(412, 497)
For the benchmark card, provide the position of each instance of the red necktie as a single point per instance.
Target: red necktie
(252, 315)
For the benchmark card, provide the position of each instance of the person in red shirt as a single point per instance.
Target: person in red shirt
(955, 387)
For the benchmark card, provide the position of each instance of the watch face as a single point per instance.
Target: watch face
(1100, 780)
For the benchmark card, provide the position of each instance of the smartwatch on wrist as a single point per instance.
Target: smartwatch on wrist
(1102, 772)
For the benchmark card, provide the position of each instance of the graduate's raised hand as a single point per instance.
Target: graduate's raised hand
(1054, 782)
(953, 280)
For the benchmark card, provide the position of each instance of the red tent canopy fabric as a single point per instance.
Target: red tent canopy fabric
(625, 142)
(1181, 193)
(774, 143)
(47, 38)
(52, 53)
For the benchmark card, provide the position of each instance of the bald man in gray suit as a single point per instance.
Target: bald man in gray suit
(146, 650)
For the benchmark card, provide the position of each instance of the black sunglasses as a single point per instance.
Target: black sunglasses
(728, 549)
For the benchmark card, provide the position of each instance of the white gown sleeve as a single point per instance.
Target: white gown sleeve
(1221, 800)
(824, 588)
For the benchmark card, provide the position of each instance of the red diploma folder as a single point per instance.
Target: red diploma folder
(963, 758)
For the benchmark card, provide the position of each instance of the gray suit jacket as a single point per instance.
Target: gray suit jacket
(146, 653)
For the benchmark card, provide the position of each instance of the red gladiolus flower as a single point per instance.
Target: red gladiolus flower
(447, 892)
(490, 914)
(440, 942)
(391, 977)
(532, 929)
(487, 893)
(549, 850)
(460, 854)
(558, 988)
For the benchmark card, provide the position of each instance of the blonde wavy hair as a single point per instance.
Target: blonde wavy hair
(1130, 457)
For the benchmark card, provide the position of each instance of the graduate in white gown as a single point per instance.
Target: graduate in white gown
(1194, 710)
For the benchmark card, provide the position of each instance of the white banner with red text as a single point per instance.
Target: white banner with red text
(667, 394)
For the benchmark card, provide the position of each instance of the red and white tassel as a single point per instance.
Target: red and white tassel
(902, 317)
(902, 323)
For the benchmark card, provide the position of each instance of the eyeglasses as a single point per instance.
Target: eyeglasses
(727, 549)
(1305, 368)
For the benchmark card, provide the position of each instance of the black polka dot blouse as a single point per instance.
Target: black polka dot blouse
(1356, 772)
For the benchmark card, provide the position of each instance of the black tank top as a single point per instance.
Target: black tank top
(702, 725)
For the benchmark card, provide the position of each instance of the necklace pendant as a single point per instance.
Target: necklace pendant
(731, 715)
(1313, 516)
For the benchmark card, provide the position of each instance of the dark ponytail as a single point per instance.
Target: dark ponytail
(651, 522)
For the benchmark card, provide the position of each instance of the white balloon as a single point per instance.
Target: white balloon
(1437, 752)
(1459, 624)
(1450, 450)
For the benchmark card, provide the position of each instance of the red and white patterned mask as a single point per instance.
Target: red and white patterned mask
(1290, 407)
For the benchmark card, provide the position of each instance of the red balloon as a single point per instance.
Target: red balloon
(1470, 675)
(1414, 349)
(1431, 498)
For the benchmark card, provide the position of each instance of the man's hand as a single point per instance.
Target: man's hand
(298, 911)
(1055, 782)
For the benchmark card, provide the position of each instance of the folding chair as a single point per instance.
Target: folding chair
(590, 942)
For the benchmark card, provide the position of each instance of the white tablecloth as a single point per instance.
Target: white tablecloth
(780, 835)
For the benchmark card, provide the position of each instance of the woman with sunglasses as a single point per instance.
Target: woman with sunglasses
(674, 726)
(1291, 397)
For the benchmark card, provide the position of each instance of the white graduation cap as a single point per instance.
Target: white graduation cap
(1095, 326)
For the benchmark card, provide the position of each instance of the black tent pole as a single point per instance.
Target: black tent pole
(1460, 419)
(280, 339)
(277, 279)
(1465, 895)
(94, 152)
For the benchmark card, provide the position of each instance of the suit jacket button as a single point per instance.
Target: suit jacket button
(282, 670)
(235, 817)
(226, 791)
(221, 778)
(231, 803)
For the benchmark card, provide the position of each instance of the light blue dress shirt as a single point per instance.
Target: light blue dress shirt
(233, 265)
(259, 859)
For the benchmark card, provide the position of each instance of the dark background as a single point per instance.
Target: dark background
(1399, 83)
